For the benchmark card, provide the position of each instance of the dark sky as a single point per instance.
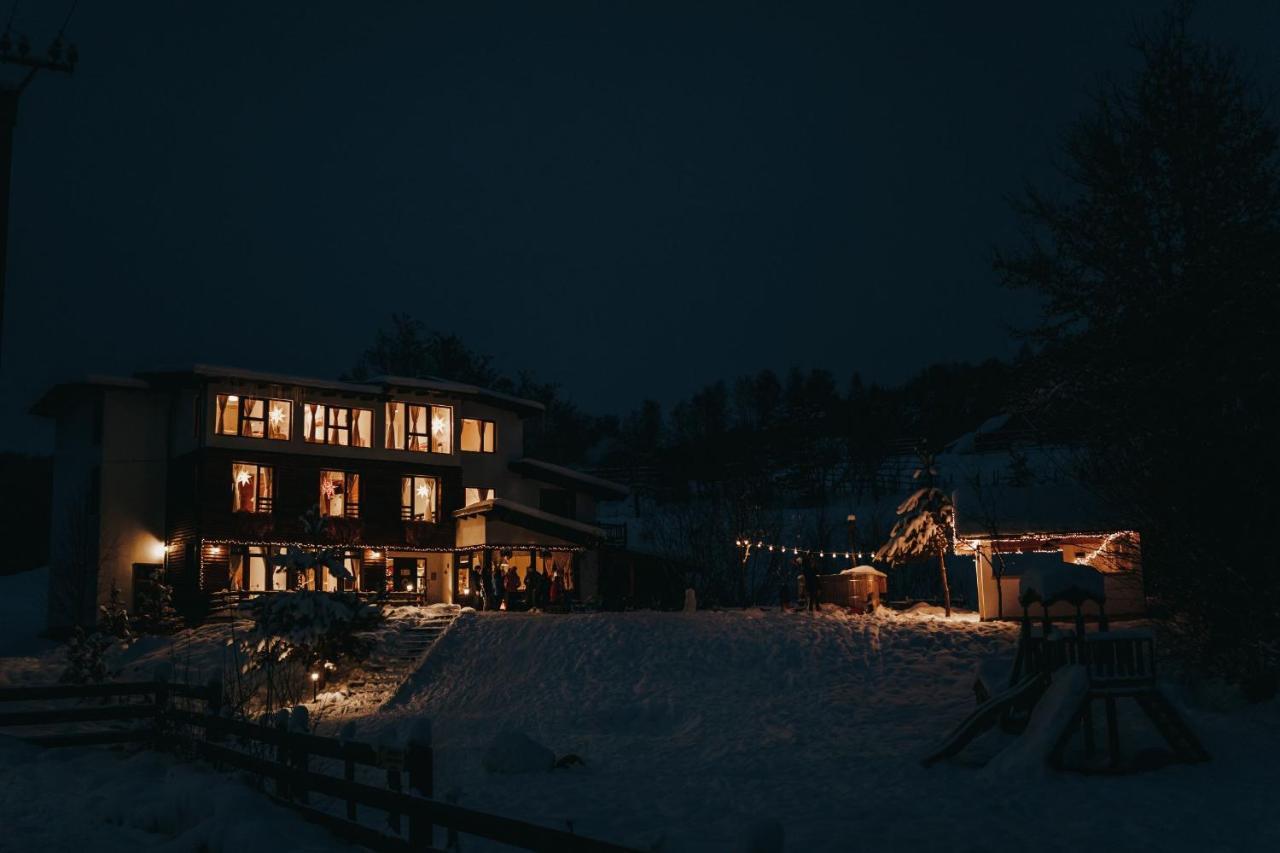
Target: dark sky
(629, 199)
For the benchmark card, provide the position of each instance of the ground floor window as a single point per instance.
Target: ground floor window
(250, 570)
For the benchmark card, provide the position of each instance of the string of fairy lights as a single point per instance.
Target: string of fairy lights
(812, 552)
(1029, 538)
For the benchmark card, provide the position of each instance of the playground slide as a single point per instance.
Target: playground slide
(986, 715)
(1053, 715)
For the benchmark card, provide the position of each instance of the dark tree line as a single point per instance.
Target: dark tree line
(1160, 269)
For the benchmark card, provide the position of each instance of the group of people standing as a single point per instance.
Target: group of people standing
(501, 588)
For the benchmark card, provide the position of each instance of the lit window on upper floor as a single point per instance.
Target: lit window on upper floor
(340, 494)
(252, 487)
(253, 417)
(418, 498)
(475, 495)
(477, 436)
(422, 428)
(337, 425)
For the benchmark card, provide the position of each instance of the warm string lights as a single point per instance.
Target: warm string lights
(1041, 539)
(788, 549)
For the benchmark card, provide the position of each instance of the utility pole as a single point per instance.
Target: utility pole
(59, 57)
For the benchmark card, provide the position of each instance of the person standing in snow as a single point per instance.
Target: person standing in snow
(511, 583)
(557, 590)
(810, 572)
(485, 579)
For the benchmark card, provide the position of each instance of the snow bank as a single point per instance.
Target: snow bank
(24, 599)
(696, 730)
(110, 801)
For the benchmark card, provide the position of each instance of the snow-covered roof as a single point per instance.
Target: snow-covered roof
(864, 571)
(216, 371)
(550, 473)
(505, 506)
(462, 389)
(378, 385)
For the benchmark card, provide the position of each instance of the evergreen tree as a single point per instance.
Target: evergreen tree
(925, 527)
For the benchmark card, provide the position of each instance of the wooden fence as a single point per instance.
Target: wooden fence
(188, 719)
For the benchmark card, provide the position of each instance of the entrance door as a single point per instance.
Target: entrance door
(406, 573)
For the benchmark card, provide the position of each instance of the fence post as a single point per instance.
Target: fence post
(213, 707)
(345, 737)
(161, 679)
(282, 754)
(300, 724)
(420, 762)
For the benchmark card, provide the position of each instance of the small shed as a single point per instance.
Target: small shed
(859, 587)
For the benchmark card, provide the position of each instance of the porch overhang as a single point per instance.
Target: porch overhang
(499, 522)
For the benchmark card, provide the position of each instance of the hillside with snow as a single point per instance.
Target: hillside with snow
(694, 732)
(697, 729)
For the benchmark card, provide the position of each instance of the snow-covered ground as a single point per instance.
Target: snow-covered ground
(696, 732)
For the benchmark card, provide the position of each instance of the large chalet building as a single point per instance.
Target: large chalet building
(203, 473)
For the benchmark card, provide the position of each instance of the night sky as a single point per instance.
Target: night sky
(629, 199)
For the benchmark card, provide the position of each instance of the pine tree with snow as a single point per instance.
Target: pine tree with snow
(85, 664)
(156, 614)
(113, 618)
(925, 526)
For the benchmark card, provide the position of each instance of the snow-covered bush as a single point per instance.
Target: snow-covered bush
(155, 614)
(297, 634)
(113, 618)
(85, 664)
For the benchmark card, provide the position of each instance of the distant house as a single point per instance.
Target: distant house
(203, 473)
(1019, 503)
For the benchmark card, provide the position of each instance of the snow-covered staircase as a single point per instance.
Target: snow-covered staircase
(398, 655)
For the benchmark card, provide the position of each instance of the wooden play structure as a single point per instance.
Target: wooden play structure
(1109, 667)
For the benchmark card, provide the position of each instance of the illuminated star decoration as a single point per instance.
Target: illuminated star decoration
(242, 478)
(327, 488)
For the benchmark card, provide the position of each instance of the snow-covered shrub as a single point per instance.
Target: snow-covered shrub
(312, 626)
(155, 614)
(297, 634)
(113, 618)
(85, 664)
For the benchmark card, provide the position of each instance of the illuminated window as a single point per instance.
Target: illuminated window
(477, 436)
(418, 496)
(346, 427)
(252, 487)
(427, 429)
(474, 496)
(253, 417)
(340, 494)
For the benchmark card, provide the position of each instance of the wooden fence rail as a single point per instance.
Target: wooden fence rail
(225, 741)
